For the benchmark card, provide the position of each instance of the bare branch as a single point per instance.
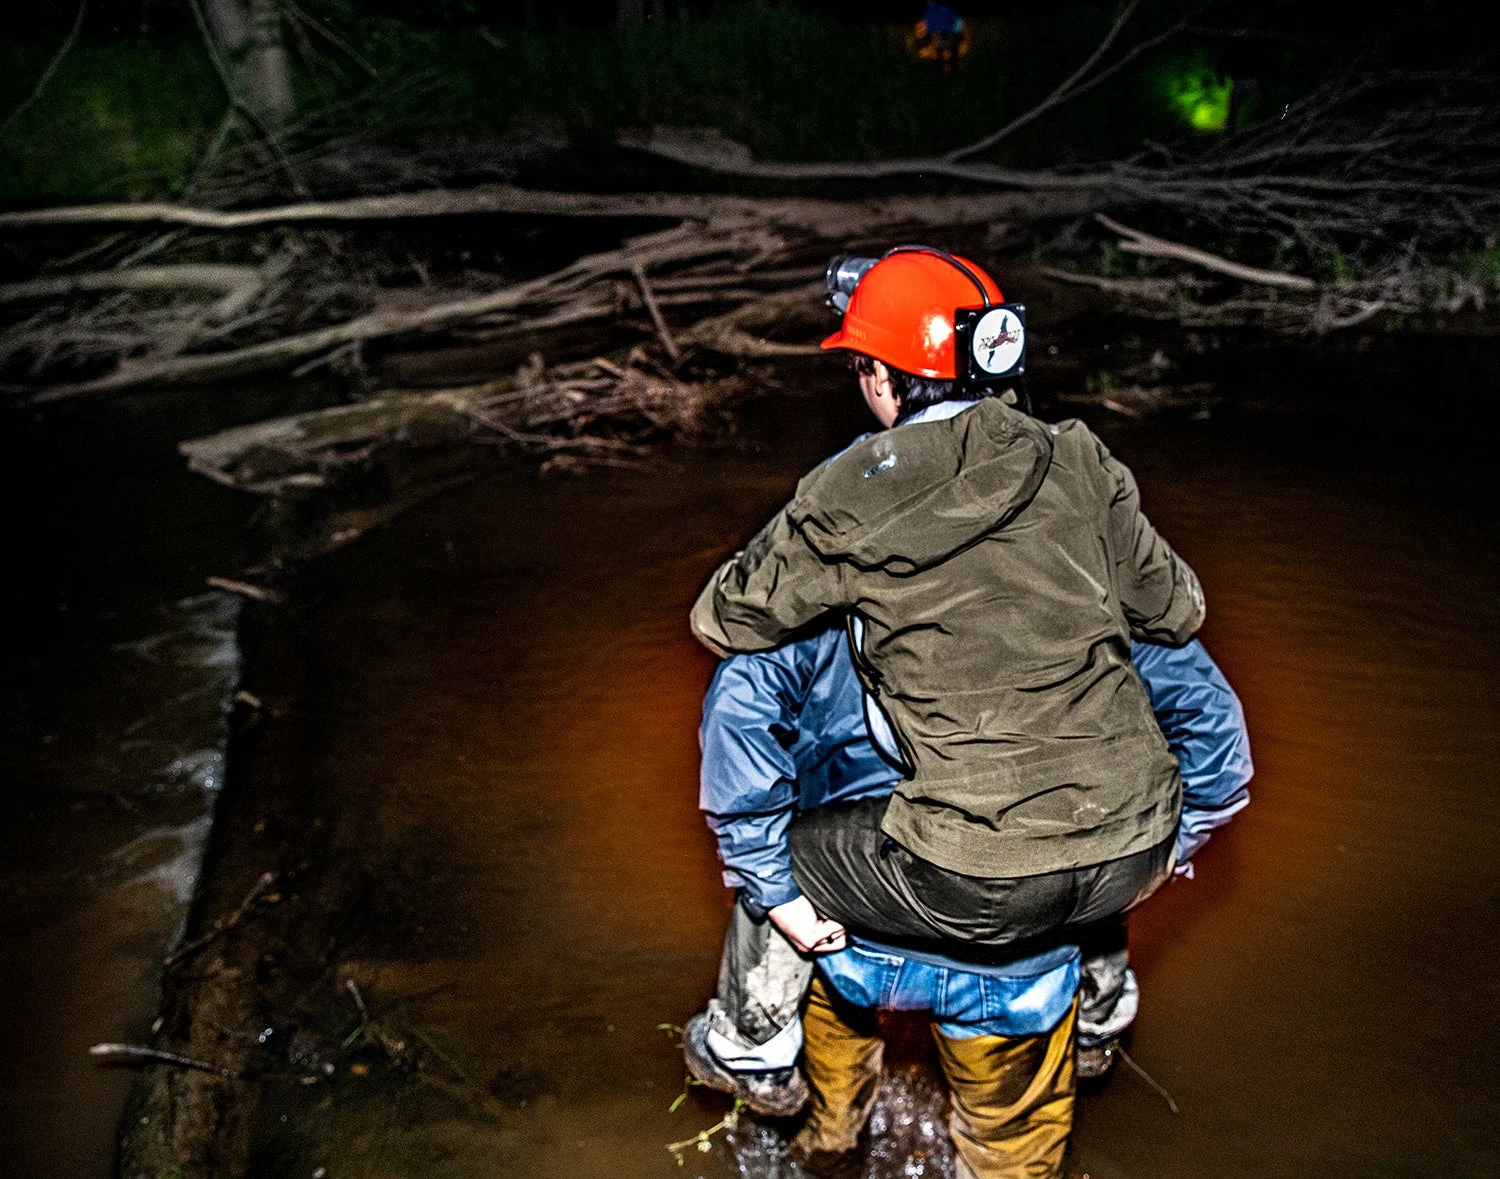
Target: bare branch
(136, 1053)
(52, 68)
(662, 331)
(198, 276)
(1058, 96)
(820, 216)
(1133, 241)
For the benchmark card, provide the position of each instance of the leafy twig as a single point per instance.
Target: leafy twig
(703, 1139)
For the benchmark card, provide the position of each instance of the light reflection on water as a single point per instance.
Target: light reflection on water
(112, 811)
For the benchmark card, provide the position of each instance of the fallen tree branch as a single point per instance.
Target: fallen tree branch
(1153, 289)
(1134, 241)
(198, 276)
(594, 411)
(712, 152)
(286, 352)
(224, 924)
(741, 332)
(137, 1053)
(273, 457)
(820, 216)
(663, 332)
(750, 236)
(256, 593)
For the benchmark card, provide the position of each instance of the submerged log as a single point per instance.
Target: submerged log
(297, 453)
(590, 411)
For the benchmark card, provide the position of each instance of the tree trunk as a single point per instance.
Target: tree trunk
(248, 33)
(630, 12)
(230, 22)
(267, 77)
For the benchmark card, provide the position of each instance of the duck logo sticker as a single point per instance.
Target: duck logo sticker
(999, 340)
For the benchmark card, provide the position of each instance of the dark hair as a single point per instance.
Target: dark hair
(917, 393)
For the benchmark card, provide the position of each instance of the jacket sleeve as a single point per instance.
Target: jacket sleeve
(1204, 724)
(1160, 594)
(748, 786)
(761, 596)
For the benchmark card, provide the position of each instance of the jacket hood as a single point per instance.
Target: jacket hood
(912, 496)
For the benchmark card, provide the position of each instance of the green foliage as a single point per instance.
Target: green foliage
(1340, 267)
(127, 119)
(1111, 259)
(1483, 266)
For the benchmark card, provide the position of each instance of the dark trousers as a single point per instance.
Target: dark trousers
(853, 873)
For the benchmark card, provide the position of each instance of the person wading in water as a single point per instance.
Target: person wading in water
(992, 571)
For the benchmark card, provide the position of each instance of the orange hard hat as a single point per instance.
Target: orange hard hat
(901, 312)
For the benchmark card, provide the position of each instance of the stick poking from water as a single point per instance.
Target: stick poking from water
(138, 1052)
(1145, 1076)
(224, 924)
(245, 589)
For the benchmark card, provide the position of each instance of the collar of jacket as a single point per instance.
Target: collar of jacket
(939, 412)
(910, 497)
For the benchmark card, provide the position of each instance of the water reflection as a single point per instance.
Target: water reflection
(110, 816)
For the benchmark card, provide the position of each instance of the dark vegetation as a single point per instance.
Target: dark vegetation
(135, 104)
(131, 116)
(619, 212)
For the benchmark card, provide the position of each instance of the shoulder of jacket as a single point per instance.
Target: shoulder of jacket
(1069, 428)
(1073, 435)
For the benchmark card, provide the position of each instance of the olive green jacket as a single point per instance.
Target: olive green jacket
(1000, 567)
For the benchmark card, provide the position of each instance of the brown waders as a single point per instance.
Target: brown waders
(1012, 1095)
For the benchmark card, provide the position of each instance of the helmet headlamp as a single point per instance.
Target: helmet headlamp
(843, 275)
(989, 340)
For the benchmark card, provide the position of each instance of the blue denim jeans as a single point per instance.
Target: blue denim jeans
(963, 1004)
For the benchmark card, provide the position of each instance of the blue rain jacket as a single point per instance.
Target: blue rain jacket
(786, 730)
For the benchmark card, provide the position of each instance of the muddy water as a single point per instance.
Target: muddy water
(116, 678)
(497, 715)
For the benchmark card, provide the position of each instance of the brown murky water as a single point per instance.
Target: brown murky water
(490, 707)
(498, 713)
(119, 665)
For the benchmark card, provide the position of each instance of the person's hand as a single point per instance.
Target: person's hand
(805, 929)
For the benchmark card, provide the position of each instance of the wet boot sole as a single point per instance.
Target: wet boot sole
(766, 1097)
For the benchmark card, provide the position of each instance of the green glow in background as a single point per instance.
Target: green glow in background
(1197, 94)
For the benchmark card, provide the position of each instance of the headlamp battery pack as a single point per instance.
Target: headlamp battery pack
(992, 342)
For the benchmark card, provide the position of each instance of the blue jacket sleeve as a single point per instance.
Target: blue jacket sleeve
(748, 784)
(1204, 724)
